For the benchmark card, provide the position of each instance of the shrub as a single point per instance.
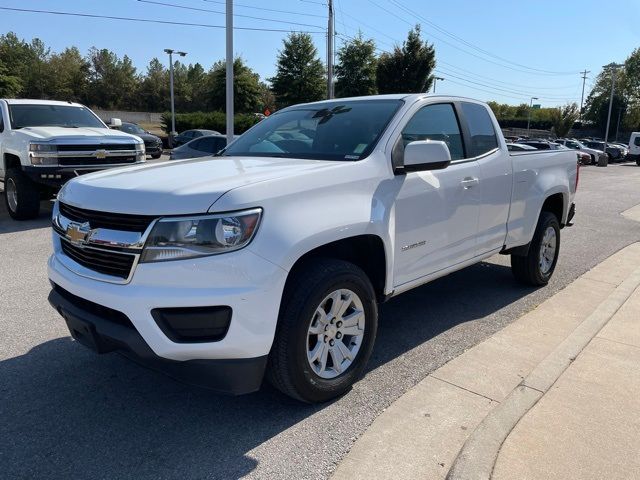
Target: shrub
(209, 120)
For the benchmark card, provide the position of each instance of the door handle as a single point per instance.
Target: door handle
(469, 182)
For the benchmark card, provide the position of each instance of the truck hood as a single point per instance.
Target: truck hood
(71, 134)
(179, 187)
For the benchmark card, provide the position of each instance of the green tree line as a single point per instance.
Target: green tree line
(102, 79)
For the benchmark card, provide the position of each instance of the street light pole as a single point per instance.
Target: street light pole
(435, 80)
(172, 133)
(529, 117)
(613, 67)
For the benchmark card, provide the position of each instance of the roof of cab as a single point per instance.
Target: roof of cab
(28, 101)
(408, 97)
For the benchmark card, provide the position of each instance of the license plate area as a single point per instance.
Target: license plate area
(85, 333)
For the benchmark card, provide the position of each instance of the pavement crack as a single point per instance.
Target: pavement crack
(465, 389)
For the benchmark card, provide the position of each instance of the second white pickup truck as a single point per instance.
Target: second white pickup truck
(44, 143)
(273, 257)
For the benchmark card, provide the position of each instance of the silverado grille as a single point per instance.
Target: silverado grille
(112, 221)
(90, 161)
(108, 262)
(97, 146)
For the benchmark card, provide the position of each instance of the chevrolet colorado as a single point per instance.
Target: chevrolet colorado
(44, 143)
(272, 257)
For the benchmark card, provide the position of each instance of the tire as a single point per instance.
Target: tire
(21, 195)
(290, 369)
(156, 156)
(533, 268)
(638, 162)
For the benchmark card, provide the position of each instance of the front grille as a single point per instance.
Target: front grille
(96, 146)
(112, 221)
(90, 161)
(116, 264)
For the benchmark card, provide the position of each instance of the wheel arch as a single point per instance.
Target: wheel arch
(367, 251)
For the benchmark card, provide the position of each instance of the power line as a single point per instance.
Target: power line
(222, 13)
(471, 45)
(453, 45)
(264, 9)
(147, 20)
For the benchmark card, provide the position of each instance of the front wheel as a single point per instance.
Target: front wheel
(156, 156)
(536, 268)
(21, 195)
(326, 331)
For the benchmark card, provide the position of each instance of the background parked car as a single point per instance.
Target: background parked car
(152, 143)
(577, 145)
(519, 147)
(189, 135)
(614, 152)
(200, 147)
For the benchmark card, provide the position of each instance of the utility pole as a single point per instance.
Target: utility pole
(435, 80)
(613, 67)
(173, 132)
(529, 118)
(229, 77)
(330, 34)
(584, 79)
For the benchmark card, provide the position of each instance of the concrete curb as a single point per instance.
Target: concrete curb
(478, 455)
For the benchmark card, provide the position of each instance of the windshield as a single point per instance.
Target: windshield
(340, 130)
(131, 128)
(27, 115)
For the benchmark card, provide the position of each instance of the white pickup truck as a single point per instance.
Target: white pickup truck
(272, 257)
(44, 143)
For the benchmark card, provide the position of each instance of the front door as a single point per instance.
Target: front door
(436, 212)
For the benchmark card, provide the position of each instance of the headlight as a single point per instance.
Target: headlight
(42, 147)
(199, 236)
(140, 147)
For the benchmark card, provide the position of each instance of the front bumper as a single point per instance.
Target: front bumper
(56, 176)
(250, 285)
(106, 330)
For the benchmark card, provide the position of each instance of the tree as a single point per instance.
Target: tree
(597, 103)
(10, 85)
(300, 75)
(356, 68)
(408, 69)
(67, 76)
(113, 81)
(563, 118)
(246, 87)
(154, 90)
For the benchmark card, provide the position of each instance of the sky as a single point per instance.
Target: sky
(499, 50)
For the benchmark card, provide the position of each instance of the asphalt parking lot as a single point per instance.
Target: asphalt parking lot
(69, 413)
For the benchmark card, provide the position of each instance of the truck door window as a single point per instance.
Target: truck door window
(637, 141)
(483, 135)
(435, 122)
(1, 123)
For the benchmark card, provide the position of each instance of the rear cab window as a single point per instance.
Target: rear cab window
(637, 141)
(482, 134)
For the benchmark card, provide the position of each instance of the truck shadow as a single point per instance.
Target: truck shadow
(69, 413)
(9, 225)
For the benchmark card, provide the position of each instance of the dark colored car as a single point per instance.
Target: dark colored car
(200, 147)
(614, 152)
(152, 143)
(189, 135)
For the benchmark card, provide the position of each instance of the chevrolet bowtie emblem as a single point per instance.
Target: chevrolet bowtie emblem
(101, 154)
(78, 233)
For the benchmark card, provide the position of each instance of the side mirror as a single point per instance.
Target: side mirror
(426, 155)
(115, 122)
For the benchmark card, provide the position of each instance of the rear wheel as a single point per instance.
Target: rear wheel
(326, 331)
(536, 268)
(21, 195)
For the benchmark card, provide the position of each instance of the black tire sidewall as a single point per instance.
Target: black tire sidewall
(28, 196)
(308, 384)
(547, 220)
